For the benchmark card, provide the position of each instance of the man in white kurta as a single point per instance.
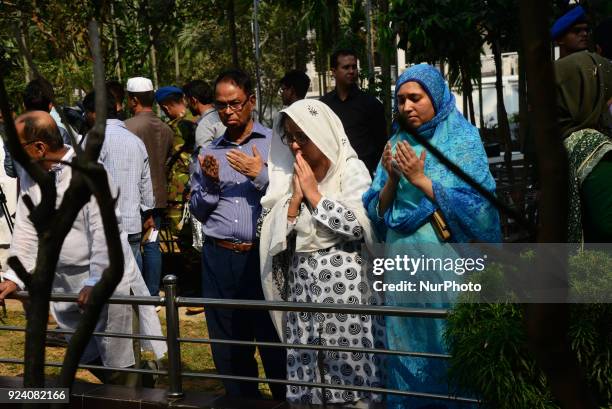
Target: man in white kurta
(83, 257)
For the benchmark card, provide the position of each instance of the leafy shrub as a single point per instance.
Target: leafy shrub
(489, 347)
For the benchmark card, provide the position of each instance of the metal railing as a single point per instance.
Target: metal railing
(171, 302)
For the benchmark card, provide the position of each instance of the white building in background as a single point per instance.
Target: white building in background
(489, 95)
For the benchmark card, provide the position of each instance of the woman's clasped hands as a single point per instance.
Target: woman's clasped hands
(305, 185)
(406, 162)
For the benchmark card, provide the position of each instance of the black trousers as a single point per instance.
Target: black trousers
(231, 275)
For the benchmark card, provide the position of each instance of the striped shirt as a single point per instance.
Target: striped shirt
(229, 210)
(125, 158)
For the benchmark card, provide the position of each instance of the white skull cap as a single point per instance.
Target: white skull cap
(139, 84)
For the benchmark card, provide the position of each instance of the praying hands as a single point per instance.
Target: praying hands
(249, 166)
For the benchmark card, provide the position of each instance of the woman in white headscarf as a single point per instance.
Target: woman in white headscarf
(313, 227)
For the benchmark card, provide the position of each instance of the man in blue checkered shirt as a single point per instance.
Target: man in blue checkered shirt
(125, 157)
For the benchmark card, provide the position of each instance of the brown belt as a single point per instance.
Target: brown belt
(230, 245)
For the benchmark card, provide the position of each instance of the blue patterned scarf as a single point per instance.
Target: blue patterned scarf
(469, 215)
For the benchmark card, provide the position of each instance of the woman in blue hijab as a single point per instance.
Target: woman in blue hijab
(410, 191)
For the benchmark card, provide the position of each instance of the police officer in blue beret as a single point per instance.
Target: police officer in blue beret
(571, 31)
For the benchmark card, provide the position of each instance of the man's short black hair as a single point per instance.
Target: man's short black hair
(238, 77)
(47, 132)
(199, 90)
(38, 94)
(89, 103)
(298, 80)
(115, 88)
(146, 98)
(603, 37)
(333, 60)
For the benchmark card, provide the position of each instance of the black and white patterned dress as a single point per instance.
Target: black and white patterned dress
(333, 275)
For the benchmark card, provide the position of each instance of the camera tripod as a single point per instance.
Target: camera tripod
(9, 222)
(5, 210)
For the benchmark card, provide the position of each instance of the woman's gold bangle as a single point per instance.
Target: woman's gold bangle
(293, 215)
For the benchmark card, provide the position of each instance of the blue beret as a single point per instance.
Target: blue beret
(567, 20)
(164, 92)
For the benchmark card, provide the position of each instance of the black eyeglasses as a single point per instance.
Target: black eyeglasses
(234, 106)
(300, 138)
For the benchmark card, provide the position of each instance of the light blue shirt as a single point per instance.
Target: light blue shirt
(229, 209)
(125, 158)
(62, 128)
(209, 128)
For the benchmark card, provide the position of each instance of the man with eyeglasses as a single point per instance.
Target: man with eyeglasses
(226, 190)
(82, 259)
(571, 32)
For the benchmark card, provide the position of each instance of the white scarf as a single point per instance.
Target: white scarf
(324, 129)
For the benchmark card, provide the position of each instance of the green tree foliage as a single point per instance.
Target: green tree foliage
(173, 41)
(437, 31)
(55, 34)
(488, 343)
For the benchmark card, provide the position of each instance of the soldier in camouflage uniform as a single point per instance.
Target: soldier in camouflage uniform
(183, 123)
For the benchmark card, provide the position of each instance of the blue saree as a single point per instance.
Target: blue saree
(406, 229)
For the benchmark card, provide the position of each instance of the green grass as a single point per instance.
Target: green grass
(194, 357)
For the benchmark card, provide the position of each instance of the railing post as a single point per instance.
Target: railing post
(175, 388)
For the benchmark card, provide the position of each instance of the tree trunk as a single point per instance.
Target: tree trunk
(523, 106)
(231, 19)
(21, 37)
(547, 324)
(26, 66)
(480, 104)
(53, 225)
(469, 89)
(153, 56)
(334, 13)
(320, 79)
(503, 127)
(471, 106)
(324, 79)
(260, 110)
(386, 54)
(369, 48)
(115, 42)
(177, 65)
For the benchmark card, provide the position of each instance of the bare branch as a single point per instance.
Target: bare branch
(73, 141)
(111, 277)
(95, 137)
(74, 165)
(23, 48)
(27, 201)
(95, 177)
(19, 269)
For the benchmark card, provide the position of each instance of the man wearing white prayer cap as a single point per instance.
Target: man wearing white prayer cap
(157, 137)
